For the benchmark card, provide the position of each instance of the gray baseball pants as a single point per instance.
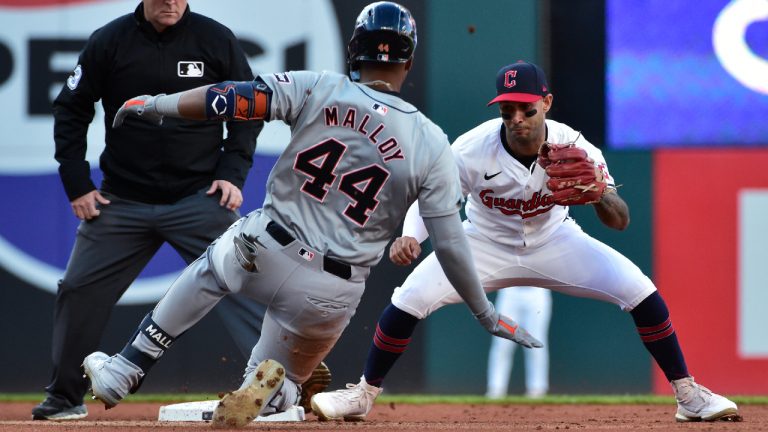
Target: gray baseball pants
(109, 253)
(309, 300)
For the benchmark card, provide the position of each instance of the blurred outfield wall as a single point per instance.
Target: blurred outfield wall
(451, 82)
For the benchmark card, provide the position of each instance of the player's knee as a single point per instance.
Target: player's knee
(413, 306)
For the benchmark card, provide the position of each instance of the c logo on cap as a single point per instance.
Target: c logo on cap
(509, 82)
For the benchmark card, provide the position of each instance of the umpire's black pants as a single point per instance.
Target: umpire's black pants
(109, 253)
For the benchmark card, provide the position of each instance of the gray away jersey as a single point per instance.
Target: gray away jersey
(357, 159)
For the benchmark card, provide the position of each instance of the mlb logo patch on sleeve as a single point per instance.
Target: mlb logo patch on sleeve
(379, 108)
(307, 255)
(190, 68)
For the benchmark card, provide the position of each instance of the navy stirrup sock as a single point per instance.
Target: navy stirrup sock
(393, 334)
(155, 334)
(651, 317)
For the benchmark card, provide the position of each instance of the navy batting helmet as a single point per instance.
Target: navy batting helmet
(384, 32)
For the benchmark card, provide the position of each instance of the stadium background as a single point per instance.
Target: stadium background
(698, 204)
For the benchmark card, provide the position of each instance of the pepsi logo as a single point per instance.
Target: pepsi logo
(39, 48)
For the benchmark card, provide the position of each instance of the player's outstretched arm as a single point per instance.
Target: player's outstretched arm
(453, 253)
(189, 104)
(224, 101)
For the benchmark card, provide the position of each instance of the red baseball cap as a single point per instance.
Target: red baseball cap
(520, 82)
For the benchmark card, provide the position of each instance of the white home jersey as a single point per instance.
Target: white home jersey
(509, 202)
(358, 153)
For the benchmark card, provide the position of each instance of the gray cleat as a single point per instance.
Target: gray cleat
(112, 378)
(56, 409)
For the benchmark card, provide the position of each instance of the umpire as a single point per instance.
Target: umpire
(178, 183)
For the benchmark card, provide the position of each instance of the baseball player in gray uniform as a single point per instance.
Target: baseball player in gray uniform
(521, 172)
(358, 157)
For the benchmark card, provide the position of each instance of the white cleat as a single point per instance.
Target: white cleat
(316, 383)
(352, 403)
(240, 407)
(697, 403)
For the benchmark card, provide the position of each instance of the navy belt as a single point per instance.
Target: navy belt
(282, 236)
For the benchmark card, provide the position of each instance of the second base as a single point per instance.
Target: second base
(203, 411)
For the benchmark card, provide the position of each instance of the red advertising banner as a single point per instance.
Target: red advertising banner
(710, 226)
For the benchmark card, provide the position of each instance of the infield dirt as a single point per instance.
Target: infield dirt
(130, 417)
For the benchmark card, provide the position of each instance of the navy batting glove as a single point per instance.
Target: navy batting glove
(505, 327)
(140, 106)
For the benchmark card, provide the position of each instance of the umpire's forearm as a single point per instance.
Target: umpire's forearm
(452, 251)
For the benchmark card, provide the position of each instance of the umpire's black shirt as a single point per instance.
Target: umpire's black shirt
(145, 162)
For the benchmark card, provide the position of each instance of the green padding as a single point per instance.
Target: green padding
(462, 65)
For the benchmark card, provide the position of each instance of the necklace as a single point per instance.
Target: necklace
(379, 82)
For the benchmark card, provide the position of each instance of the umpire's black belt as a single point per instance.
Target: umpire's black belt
(330, 265)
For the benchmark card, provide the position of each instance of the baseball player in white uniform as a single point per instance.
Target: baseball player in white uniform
(532, 308)
(520, 233)
(358, 157)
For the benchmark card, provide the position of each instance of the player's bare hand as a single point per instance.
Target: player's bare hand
(505, 327)
(139, 106)
(84, 207)
(404, 250)
(231, 196)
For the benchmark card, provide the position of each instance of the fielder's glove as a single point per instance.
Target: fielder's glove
(139, 106)
(505, 327)
(573, 176)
